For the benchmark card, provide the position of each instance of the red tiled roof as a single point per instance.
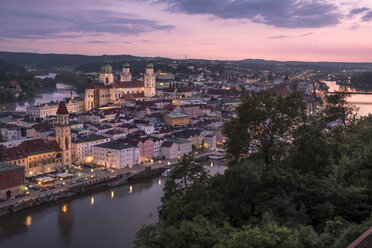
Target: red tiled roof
(28, 147)
(62, 109)
(130, 84)
(133, 96)
(38, 146)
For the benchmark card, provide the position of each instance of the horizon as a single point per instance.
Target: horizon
(163, 57)
(289, 30)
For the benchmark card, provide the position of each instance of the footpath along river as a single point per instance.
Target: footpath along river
(105, 218)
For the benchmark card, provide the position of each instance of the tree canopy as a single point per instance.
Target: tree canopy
(307, 184)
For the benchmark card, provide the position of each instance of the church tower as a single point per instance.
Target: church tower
(106, 76)
(149, 79)
(125, 75)
(63, 133)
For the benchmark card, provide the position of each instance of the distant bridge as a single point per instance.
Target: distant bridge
(354, 93)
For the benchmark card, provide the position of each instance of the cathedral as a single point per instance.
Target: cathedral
(109, 90)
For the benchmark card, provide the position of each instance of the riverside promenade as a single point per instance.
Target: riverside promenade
(102, 178)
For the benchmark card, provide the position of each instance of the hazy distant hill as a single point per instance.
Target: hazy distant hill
(346, 65)
(59, 61)
(52, 62)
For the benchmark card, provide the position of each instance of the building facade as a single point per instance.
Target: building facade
(48, 109)
(11, 180)
(63, 134)
(108, 91)
(177, 119)
(117, 155)
(82, 147)
(37, 156)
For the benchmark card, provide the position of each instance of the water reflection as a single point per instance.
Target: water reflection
(66, 220)
(46, 96)
(69, 223)
(159, 182)
(28, 221)
(361, 101)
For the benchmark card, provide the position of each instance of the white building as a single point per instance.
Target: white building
(11, 133)
(172, 148)
(210, 141)
(82, 147)
(116, 155)
(157, 147)
(169, 150)
(148, 129)
(48, 109)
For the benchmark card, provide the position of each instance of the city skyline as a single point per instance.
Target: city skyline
(213, 29)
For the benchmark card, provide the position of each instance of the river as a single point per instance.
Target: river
(362, 101)
(46, 96)
(106, 218)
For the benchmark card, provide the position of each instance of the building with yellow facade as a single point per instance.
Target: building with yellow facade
(177, 119)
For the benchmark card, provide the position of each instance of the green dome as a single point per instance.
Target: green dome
(150, 66)
(106, 68)
(126, 65)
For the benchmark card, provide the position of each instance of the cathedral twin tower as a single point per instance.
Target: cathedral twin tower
(109, 91)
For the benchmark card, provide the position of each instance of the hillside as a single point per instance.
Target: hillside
(50, 62)
(65, 62)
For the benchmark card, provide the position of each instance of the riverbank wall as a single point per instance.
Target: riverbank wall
(88, 186)
(74, 190)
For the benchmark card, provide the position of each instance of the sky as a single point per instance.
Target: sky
(302, 30)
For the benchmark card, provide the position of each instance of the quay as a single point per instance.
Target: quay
(107, 179)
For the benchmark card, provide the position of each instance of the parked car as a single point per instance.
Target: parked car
(43, 189)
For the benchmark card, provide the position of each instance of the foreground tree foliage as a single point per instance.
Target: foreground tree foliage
(307, 184)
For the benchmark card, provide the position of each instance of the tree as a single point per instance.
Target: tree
(338, 108)
(267, 120)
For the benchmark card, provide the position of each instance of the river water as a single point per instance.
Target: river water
(362, 101)
(108, 218)
(46, 96)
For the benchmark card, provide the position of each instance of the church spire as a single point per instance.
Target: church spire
(62, 109)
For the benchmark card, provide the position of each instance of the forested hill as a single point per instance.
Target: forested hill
(16, 83)
(63, 62)
(8, 70)
(59, 61)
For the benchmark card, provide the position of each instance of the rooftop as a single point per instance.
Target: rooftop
(116, 145)
(9, 167)
(88, 138)
(62, 109)
(177, 115)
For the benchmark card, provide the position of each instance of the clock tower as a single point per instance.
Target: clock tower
(63, 133)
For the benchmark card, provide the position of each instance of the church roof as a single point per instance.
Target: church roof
(130, 84)
(62, 109)
(106, 68)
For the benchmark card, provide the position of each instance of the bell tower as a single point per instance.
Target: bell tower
(149, 81)
(63, 133)
(125, 75)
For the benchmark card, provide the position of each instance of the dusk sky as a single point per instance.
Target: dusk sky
(339, 30)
